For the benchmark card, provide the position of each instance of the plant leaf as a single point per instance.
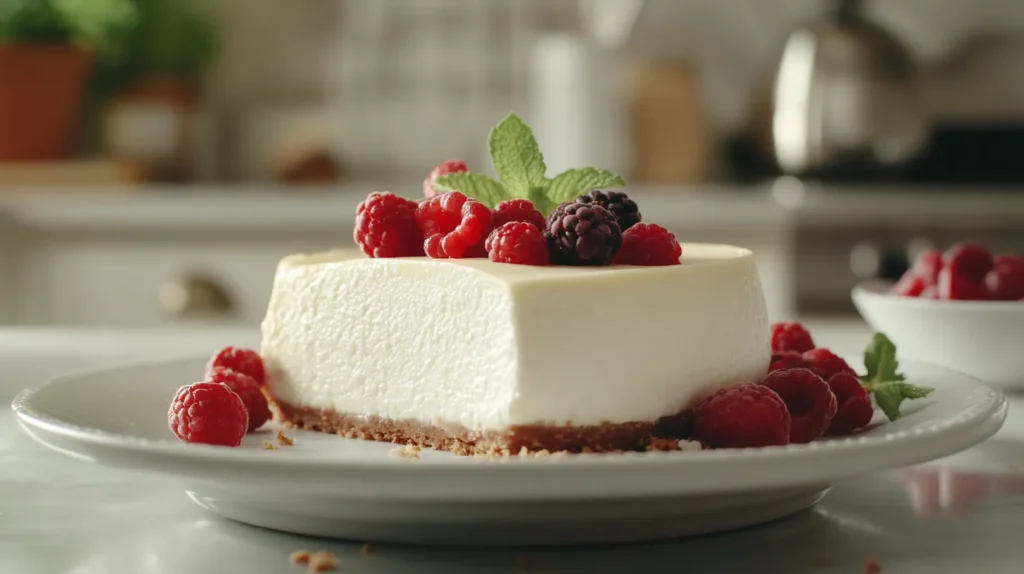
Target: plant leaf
(880, 361)
(889, 395)
(516, 156)
(570, 184)
(539, 197)
(474, 185)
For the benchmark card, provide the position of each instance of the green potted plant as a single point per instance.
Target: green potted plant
(168, 55)
(47, 50)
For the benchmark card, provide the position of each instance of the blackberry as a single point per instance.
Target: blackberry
(582, 234)
(621, 206)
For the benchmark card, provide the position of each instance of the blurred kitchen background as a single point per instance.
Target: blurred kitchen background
(158, 157)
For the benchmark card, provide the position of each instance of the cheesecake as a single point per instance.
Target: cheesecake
(476, 356)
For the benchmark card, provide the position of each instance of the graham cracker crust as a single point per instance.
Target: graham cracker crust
(631, 436)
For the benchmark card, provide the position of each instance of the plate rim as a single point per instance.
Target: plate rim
(876, 290)
(992, 405)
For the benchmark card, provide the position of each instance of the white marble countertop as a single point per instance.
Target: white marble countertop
(63, 516)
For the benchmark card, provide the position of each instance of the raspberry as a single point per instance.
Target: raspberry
(386, 226)
(825, 363)
(910, 285)
(787, 360)
(519, 243)
(518, 210)
(622, 207)
(245, 361)
(445, 168)
(455, 227)
(957, 287)
(969, 260)
(582, 234)
(927, 266)
(854, 406)
(208, 413)
(248, 390)
(1005, 282)
(810, 403)
(648, 244)
(741, 416)
(791, 337)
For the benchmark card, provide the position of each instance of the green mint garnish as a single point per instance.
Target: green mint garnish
(883, 379)
(520, 166)
(569, 184)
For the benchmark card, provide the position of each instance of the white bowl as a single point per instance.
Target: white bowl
(981, 338)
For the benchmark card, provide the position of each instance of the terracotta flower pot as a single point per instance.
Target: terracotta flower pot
(41, 89)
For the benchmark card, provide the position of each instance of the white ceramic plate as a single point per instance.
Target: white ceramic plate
(981, 338)
(329, 486)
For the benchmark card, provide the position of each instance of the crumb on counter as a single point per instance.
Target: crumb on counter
(409, 451)
(323, 562)
(285, 440)
(872, 566)
(367, 549)
(299, 557)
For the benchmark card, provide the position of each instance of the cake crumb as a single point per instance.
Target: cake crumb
(285, 440)
(323, 562)
(525, 562)
(872, 566)
(367, 549)
(267, 445)
(409, 451)
(663, 444)
(299, 557)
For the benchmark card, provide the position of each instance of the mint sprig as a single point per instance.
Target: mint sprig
(884, 381)
(521, 170)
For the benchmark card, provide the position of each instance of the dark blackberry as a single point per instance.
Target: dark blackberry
(582, 234)
(621, 206)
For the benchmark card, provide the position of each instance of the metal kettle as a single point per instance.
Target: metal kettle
(846, 99)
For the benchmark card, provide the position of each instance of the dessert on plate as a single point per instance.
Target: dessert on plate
(531, 315)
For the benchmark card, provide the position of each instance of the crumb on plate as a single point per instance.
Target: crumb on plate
(299, 557)
(409, 451)
(267, 445)
(284, 439)
(367, 549)
(872, 566)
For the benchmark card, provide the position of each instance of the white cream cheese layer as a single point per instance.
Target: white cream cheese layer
(486, 345)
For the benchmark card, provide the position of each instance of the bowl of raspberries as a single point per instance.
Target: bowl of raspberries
(962, 309)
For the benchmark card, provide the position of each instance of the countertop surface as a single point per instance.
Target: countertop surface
(64, 516)
(785, 201)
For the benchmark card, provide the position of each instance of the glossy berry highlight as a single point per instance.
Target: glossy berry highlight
(454, 226)
(208, 413)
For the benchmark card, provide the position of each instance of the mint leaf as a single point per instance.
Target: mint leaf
(880, 360)
(883, 379)
(474, 185)
(888, 398)
(570, 184)
(539, 197)
(516, 156)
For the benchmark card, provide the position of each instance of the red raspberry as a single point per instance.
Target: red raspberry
(648, 244)
(245, 361)
(956, 287)
(518, 210)
(791, 337)
(910, 285)
(519, 243)
(454, 226)
(742, 416)
(810, 403)
(1005, 282)
(208, 413)
(248, 390)
(969, 260)
(445, 168)
(825, 363)
(854, 406)
(386, 226)
(927, 266)
(787, 360)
